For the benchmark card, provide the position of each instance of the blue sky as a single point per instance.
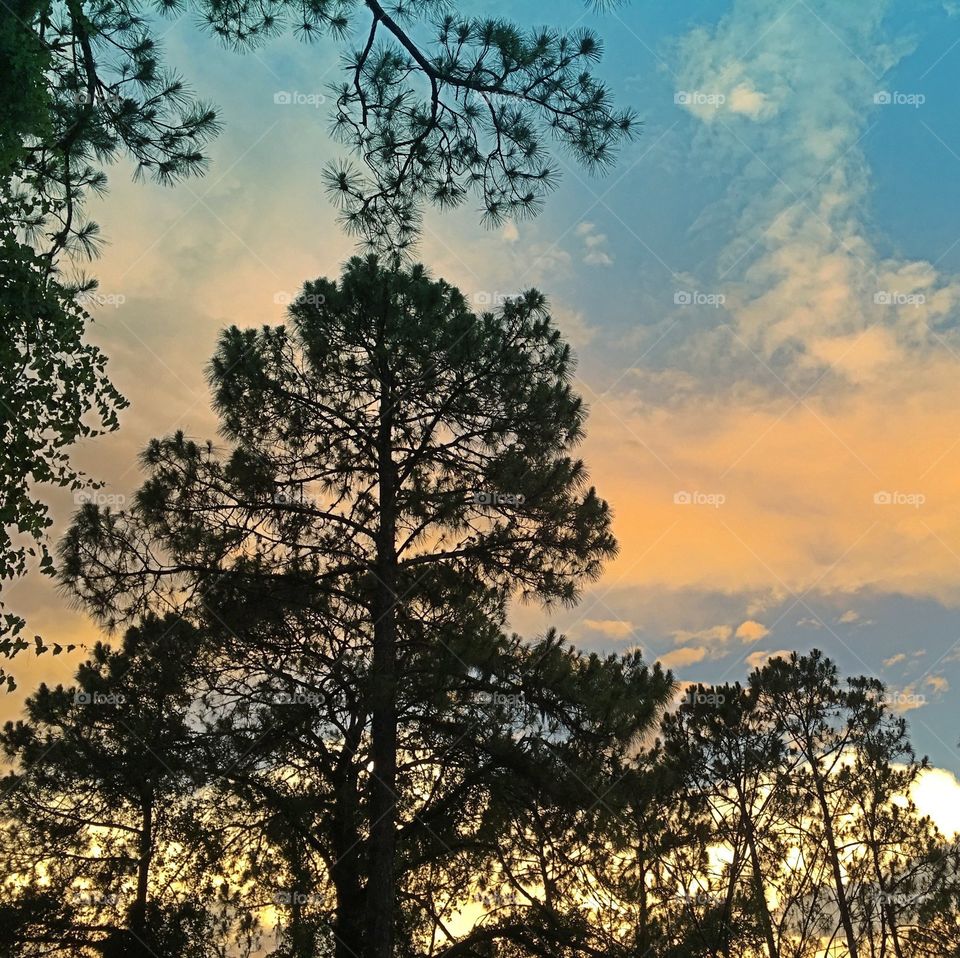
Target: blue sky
(763, 294)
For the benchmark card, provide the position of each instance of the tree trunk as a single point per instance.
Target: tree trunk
(727, 932)
(888, 916)
(643, 925)
(381, 885)
(759, 895)
(842, 904)
(346, 872)
(138, 912)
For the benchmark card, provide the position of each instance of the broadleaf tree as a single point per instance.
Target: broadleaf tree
(90, 88)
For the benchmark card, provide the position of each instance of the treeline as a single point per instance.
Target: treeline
(318, 737)
(177, 800)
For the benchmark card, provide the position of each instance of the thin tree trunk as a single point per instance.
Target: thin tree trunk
(759, 894)
(888, 918)
(842, 904)
(643, 933)
(728, 900)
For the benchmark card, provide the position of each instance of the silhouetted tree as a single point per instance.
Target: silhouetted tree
(753, 803)
(106, 848)
(467, 113)
(725, 752)
(82, 85)
(396, 459)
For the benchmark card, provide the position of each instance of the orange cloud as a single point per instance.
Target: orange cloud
(850, 489)
(614, 628)
(752, 631)
(756, 660)
(688, 655)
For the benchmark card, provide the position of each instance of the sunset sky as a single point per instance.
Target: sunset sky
(764, 295)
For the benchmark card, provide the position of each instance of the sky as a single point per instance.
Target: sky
(763, 295)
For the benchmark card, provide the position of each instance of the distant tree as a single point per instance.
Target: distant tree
(104, 850)
(395, 458)
(724, 752)
(753, 800)
(805, 702)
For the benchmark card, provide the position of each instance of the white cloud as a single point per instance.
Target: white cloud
(894, 660)
(937, 794)
(595, 253)
(748, 101)
(801, 272)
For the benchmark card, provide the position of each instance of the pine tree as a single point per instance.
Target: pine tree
(395, 459)
(105, 848)
(725, 752)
